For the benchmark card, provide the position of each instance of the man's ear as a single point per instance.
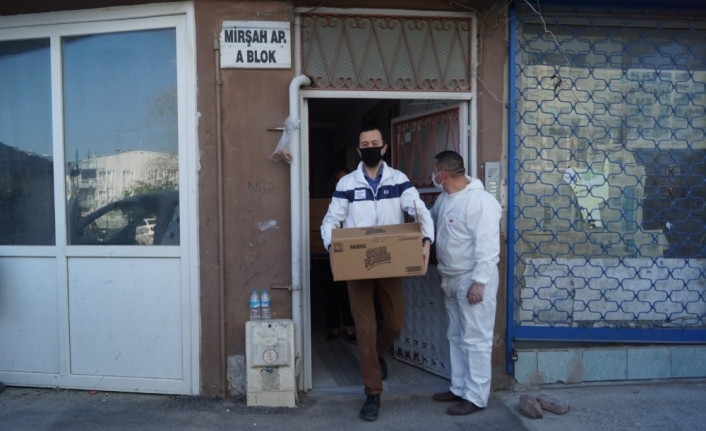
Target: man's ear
(359, 153)
(384, 149)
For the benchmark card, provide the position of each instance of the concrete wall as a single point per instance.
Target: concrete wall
(256, 190)
(493, 147)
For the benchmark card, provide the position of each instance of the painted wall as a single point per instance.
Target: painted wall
(257, 190)
(493, 147)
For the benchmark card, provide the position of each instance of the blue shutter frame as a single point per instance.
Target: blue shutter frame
(635, 136)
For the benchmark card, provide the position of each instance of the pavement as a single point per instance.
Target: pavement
(654, 405)
(658, 405)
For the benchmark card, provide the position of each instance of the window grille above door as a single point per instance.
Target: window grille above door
(356, 52)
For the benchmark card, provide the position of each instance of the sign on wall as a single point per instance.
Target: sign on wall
(256, 45)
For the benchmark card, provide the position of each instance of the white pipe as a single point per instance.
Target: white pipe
(296, 215)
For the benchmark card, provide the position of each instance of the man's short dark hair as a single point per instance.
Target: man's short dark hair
(450, 162)
(370, 128)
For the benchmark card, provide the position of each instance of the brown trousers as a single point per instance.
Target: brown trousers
(371, 344)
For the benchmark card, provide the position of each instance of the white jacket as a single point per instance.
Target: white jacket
(468, 232)
(355, 204)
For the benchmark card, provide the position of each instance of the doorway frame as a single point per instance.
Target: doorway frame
(303, 328)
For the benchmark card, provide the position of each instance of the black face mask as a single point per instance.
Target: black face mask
(371, 155)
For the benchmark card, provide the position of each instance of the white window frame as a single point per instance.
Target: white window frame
(54, 26)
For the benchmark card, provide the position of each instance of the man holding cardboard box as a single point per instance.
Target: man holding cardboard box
(376, 195)
(467, 220)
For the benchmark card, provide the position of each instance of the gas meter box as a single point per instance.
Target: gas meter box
(269, 342)
(269, 348)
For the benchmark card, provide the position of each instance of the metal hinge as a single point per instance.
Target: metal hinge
(290, 288)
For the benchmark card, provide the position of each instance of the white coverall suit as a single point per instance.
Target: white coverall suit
(468, 249)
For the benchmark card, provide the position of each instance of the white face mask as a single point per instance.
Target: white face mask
(433, 181)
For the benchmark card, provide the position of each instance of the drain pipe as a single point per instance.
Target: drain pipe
(221, 247)
(296, 216)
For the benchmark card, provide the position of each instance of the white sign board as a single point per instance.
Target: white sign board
(256, 45)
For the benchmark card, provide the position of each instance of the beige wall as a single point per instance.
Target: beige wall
(253, 100)
(256, 190)
(493, 147)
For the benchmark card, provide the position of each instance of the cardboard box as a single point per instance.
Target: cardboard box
(377, 252)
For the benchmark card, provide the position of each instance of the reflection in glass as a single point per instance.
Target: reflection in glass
(26, 167)
(610, 197)
(613, 137)
(120, 100)
(144, 219)
(417, 140)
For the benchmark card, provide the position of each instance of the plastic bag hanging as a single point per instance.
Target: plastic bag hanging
(284, 150)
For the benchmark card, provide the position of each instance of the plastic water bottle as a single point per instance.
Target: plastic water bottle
(254, 306)
(265, 305)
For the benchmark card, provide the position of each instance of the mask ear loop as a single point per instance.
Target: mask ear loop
(433, 180)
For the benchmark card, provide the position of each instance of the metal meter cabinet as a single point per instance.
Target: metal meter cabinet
(270, 363)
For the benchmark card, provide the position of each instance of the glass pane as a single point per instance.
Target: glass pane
(145, 219)
(26, 166)
(610, 192)
(121, 139)
(415, 142)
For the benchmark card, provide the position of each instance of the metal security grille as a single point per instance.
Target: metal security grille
(609, 197)
(353, 52)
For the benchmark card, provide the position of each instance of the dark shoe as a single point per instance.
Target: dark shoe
(447, 396)
(332, 336)
(350, 338)
(2, 387)
(383, 368)
(369, 412)
(463, 408)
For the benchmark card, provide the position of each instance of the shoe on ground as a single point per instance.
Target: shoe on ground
(370, 409)
(332, 336)
(2, 387)
(445, 397)
(383, 368)
(463, 408)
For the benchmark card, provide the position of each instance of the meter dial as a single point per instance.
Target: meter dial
(269, 356)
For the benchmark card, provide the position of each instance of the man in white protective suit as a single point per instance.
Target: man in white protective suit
(467, 220)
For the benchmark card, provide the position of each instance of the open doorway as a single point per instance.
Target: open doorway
(417, 358)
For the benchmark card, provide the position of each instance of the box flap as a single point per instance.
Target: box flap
(379, 231)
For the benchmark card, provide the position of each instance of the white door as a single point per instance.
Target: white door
(97, 213)
(415, 140)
